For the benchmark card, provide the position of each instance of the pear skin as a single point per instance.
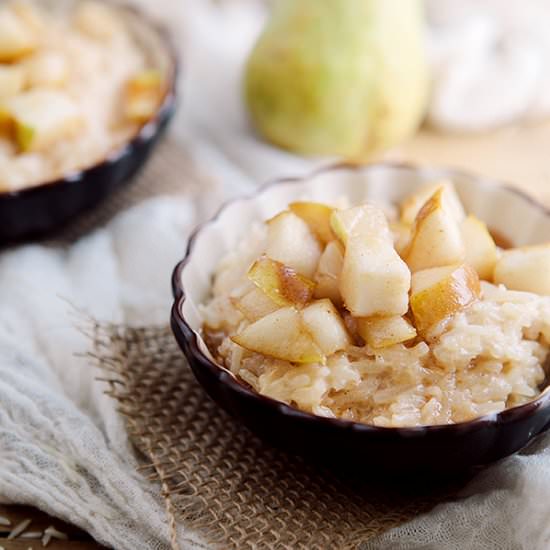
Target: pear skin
(339, 77)
(282, 284)
(526, 268)
(439, 293)
(281, 335)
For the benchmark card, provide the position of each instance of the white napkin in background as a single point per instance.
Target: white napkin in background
(63, 448)
(491, 61)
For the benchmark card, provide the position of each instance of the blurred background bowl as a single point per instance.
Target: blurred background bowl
(37, 211)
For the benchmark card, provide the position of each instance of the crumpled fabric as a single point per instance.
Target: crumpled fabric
(491, 63)
(63, 447)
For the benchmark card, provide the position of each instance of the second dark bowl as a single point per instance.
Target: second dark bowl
(37, 211)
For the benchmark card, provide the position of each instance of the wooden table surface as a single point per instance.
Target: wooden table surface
(518, 155)
(76, 539)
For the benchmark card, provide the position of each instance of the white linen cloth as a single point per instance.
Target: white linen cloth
(63, 448)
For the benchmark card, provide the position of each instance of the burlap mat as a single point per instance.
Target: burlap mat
(216, 477)
(219, 479)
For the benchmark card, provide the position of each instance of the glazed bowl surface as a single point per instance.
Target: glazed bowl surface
(445, 450)
(36, 211)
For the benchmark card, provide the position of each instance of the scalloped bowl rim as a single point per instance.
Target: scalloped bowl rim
(144, 131)
(224, 376)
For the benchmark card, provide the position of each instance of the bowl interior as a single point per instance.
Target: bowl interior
(148, 36)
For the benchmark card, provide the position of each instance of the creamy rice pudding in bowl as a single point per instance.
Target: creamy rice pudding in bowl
(86, 88)
(367, 316)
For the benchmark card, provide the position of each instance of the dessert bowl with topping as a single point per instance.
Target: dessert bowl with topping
(384, 316)
(86, 88)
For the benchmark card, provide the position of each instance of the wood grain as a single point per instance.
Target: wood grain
(517, 155)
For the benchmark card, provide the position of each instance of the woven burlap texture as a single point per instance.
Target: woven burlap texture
(219, 479)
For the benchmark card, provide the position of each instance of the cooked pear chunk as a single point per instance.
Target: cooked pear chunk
(46, 68)
(481, 250)
(526, 268)
(382, 332)
(281, 335)
(317, 216)
(327, 276)
(42, 117)
(291, 242)
(12, 80)
(97, 20)
(439, 293)
(401, 233)
(16, 37)
(281, 283)
(143, 95)
(374, 279)
(324, 323)
(365, 220)
(31, 14)
(436, 239)
(254, 304)
(411, 206)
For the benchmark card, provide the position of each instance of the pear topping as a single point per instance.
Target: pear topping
(526, 268)
(281, 283)
(290, 241)
(317, 216)
(439, 293)
(435, 239)
(382, 332)
(481, 250)
(282, 335)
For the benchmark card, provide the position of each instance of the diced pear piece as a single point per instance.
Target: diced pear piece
(16, 37)
(143, 95)
(526, 268)
(439, 293)
(327, 277)
(281, 283)
(411, 206)
(6, 126)
(436, 239)
(12, 79)
(281, 335)
(401, 233)
(364, 220)
(31, 14)
(481, 251)
(254, 304)
(324, 323)
(97, 20)
(46, 68)
(42, 117)
(374, 279)
(317, 216)
(382, 332)
(291, 242)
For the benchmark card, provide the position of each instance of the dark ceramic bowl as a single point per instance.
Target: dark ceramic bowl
(36, 211)
(443, 450)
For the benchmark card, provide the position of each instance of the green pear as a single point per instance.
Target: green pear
(339, 77)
